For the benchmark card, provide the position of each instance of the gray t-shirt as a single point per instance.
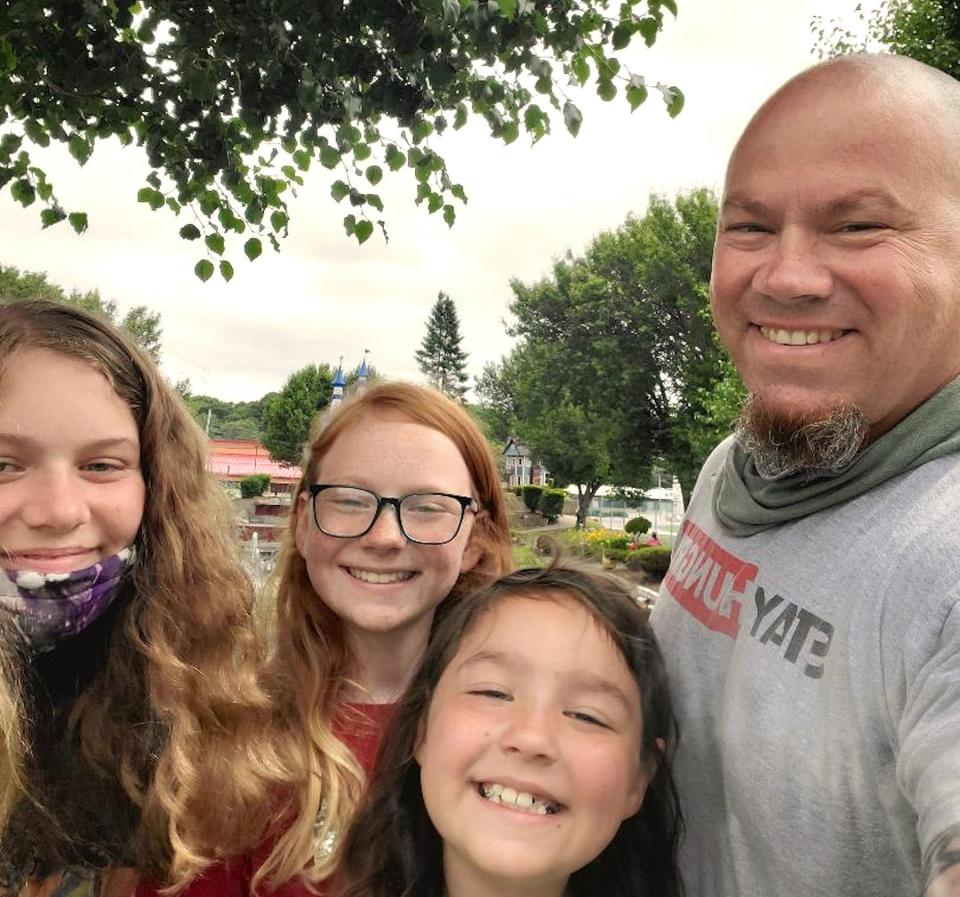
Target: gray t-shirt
(815, 669)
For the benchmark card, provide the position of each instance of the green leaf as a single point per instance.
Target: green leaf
(226, 270)
(395, 159)
(350, 224)
(190, 232)
(214, 243)
(510, 132)
(674, 99)
(173, 205)
(361, 152)
(374, 174)
(339, 190)
(252, 248)
(508, 8)
(635, 96)
(669, 4)
(434, 203)
(302, 159)
(153, 179)
(572, 117)
(80, 149)
(78, 221)
(362, 230)
(449, 215)
(460, 119)
(9, 144)
(22, 191)
(329, 157)
(374, 200)
(156, 200)
(278, 220)
(35, 132)
(52, 215)
(209, 202)
(607, 90)
(145, 194)
(580, 68)
(421, 130)
(648, 27)
(44, 190)
(621, 36)
(203, 269)
(458, 191)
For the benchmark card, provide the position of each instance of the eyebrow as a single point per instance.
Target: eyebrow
(850, 202)
(583, 682)
(98, 445)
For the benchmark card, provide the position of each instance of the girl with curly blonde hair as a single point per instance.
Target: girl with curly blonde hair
(136, 731)
(398, 513)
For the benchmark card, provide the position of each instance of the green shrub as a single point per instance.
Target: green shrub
(618, 542)
(518, 491)
(531, 496)
(551, 503)
(616, 554)
(251, 487)
(637, 525)
(654, 560)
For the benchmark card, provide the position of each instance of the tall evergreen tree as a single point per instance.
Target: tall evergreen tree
(440, 357)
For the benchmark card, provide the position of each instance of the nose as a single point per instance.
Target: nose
(385, 533)
(55, 501)
(530, 733)
(794, 269)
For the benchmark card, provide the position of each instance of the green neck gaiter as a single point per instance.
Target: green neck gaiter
(746, 503)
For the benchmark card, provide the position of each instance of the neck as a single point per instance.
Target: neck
(384, 662)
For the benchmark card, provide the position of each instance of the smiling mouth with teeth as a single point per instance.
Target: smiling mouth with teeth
(800, 337)
(379, 578)
(517, 800)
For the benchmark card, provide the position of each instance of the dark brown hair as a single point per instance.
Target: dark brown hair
(393, 849)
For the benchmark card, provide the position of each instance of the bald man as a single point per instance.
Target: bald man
(811, 616)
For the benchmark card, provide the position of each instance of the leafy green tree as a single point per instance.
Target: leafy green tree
(927, 30)
(570, 435)
(141, 323)
(233, 102)
(618, 367)
(440, 357)
(287, 415)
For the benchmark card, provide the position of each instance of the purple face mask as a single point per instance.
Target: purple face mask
(48, 607)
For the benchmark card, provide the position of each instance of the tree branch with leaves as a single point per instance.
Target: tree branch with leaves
(234, 103)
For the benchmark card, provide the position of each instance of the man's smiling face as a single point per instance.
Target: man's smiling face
(836, 274)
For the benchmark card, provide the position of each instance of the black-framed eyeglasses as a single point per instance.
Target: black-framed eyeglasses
(427, 518)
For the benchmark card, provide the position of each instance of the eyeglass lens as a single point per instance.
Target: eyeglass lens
(347, 511)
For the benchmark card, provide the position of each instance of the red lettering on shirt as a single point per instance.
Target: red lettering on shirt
(703, 579)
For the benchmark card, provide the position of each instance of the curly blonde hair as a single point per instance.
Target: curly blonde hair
(175, 713)
(311, 661)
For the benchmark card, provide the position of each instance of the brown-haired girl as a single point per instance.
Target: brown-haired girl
(136, 743)
(529, 756)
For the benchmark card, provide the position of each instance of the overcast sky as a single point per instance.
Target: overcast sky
(323, 296)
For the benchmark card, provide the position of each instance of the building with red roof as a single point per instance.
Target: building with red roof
(230, 460)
